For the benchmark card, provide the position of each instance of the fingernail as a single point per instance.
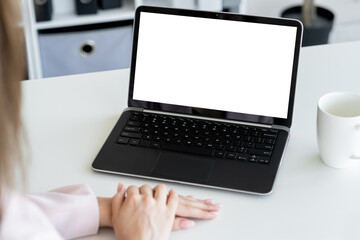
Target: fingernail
(214, 213)
(209, 201)
(119, 187)
(184, 224)
(219, 205)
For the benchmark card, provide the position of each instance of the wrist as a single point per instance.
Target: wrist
(105, 211)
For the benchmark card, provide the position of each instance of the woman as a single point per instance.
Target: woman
(72, 211)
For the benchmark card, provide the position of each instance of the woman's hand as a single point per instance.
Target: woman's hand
(145, 213)
(189, 207)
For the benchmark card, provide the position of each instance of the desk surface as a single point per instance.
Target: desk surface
(69, 118)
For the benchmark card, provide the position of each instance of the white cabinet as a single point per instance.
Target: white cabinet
(75, 50)
(64, 16)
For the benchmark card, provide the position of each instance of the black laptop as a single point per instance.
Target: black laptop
(210, 100)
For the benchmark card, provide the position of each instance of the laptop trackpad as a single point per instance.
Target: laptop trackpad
(183, 167)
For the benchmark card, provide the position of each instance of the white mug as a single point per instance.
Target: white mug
(338, 129)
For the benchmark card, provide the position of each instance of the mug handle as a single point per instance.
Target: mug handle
(357, 127)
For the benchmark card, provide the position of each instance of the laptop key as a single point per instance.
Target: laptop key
(209, 145)
(155, 145)
(122, 140)
(248, 144)
(132, 129)
(242, 157)
(187, 149)
(135, 117)
(199, 144)
(131, 135)
(219, 147)
(270, 135)
(157, 138)
(253, 158)
(134, 124)
(259, 152)
(231, 155)
(264, 146)
(230, 148)
(144, 143)
(241, 149)
(264, 160)
(269, 140)
(134, 142)
(220, 154)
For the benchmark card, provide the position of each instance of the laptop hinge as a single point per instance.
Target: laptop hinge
(281, 127)
(207, 118)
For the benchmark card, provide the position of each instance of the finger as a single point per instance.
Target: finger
(182, 224)
(196, 209)
(198, 213)
(193, 212)
(146, 190)
(133, 190)
(207, 204)
(118, 199)
(173, 200)
(191, 198)
(160, 193)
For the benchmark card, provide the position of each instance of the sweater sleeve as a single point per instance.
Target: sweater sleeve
(73, 210)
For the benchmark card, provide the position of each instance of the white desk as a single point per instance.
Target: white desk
(69, 118)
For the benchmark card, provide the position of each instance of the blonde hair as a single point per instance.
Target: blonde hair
(12, 65)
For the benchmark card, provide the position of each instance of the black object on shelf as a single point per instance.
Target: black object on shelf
(43, 10)
(319, 29)
(106, 4)
(86, 7)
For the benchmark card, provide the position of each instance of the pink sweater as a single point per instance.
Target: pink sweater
(63, 213)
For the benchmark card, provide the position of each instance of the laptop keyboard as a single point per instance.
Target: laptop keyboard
(196, 136)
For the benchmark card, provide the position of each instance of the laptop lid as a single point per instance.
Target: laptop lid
(217, 65)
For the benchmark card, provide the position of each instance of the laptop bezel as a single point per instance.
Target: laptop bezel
(209, 113)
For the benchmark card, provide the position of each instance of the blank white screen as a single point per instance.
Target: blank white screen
(214, 64)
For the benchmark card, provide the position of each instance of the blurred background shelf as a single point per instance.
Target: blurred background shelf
(71, 19)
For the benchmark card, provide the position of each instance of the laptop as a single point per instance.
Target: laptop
(210, 102)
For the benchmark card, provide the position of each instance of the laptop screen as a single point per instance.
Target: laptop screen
(224, 65)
